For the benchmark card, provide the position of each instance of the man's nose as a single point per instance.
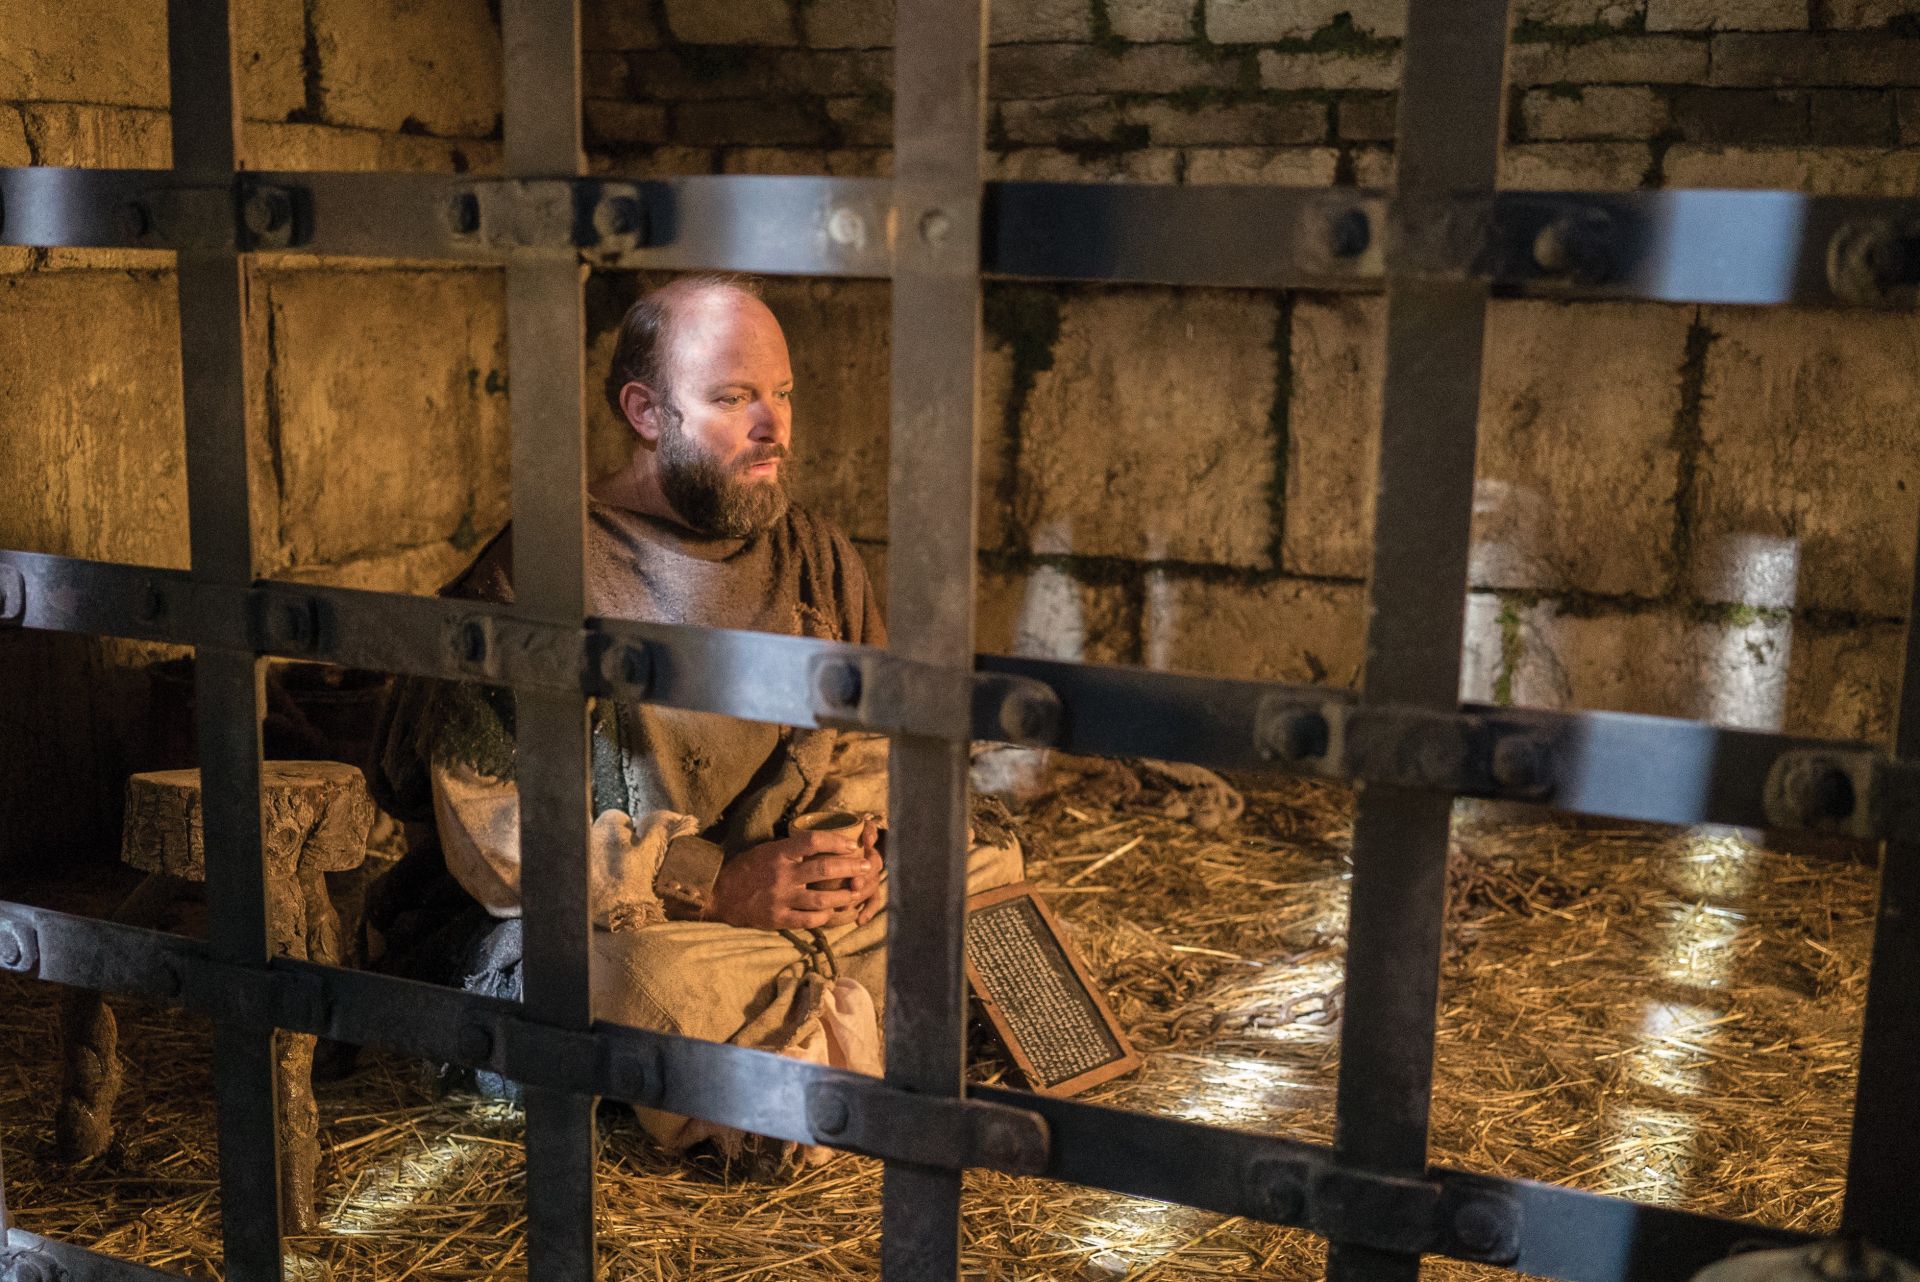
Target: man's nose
(771, 421)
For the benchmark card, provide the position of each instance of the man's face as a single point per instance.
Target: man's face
(725, 430)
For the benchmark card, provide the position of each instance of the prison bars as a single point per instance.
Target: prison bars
(1677, 245)
(1470, 240)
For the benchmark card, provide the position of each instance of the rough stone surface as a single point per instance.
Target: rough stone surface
(63, 133)
(1908, 101)
(1669, 60)
(847, 24)
(1333, 430)
(749, 122)
(1154, 396)
(861, 122)
(1050, 164)
(1575, 166)
(1045, 71)
(1578, 13)
(14, 148)
(1848, 59)
(1082, 119)
(1265, 124)
(1847, 117)
(1373, 166)
(1749, 116)
(1150, 20)
(626, 123)
(1284, 630)
(841, 163)
(1844, 683)
(1040, 20)
(1822, 171)
(1367, 117)
(1262, 21)
(1867, 13)
(1598, 111)
(1280, 166)
(302, 146)
(618, 24)
(434, 63)
(1814, 480)
(1577, 465)
(735, 22)
(269, 39)
(90, 419)
(1045, 613)
(1280, 70)
(837, 333)
(1726, 15)
(402, 372)
(97, 51)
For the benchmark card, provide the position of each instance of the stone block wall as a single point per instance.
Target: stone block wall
(1705, 512)
(377, 390)
(1700, 511)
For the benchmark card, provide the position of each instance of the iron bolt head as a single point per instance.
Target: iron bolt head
(268, 216)
(29, 1266)
(463, 213)
(470, 642)
(838, 684)
(1849, 1259)
(1030, 717)
(1523, 763)
(13, 950)
(1349, 233)
(1279, 1189)
(1576, 247)
(831, 1116)
(617, 216)
(475, 1043)
(935, 227)
(1483, 1227)
(846, 227)
(627, 665)
(1298, 736)
(136, 220)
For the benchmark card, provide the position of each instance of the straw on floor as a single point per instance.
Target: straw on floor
(1664, 1014)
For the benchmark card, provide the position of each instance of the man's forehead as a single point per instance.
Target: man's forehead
(723, 331)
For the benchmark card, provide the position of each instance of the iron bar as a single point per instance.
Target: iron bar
(1883, 1160)
(938, 124)
(1543, 1229)
(1672, 245)
(227, 696)
(1448, 144)
(546, 353)
(1617, 765)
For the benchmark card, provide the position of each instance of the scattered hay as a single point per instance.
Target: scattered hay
(1664, 1014)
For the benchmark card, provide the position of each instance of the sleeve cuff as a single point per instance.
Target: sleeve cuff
(685, 880)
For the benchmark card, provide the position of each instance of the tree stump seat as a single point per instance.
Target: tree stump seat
(316, 817)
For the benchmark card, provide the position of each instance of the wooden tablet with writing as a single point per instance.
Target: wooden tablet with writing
(1038, 995)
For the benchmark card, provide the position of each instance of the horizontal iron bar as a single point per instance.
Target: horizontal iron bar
(1537, 1228)
(25, 1252)
(1676, 245)
(1612, 764)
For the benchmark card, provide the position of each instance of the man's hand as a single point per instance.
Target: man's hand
(871, 886)
(772, 886)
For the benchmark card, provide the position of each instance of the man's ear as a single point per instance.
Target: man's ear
(641, 408)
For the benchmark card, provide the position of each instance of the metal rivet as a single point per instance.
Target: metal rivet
(1349, 233)
(13, 949)
(268, 214)
(463, 213)
(627, 665)
(1030, 717)
(475, 1043)
(1299, 736)
(136, 220)
(29, 1266)
(1522, 762)
(1576, 247)
(470, 642)
(846, 227)
(935, 226)
(616, 216)
(1480, 1227)
(1278, 1189)
(838, 684)
(831, 1116)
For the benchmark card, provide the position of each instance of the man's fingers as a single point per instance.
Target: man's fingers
(834, 867)
(793, 919)
(813, 844)
(825, 900)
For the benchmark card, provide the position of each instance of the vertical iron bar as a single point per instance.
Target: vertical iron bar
(546, 347)
(1448, 142)
(939, 125)
(227, 689)
(1883, 1162)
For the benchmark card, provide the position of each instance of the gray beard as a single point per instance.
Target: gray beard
(707, 495)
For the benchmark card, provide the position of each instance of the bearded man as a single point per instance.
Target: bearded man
(712, 918)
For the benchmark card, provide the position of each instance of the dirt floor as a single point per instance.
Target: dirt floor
(1662, 1014)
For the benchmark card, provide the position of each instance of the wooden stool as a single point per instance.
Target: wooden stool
(316, 817)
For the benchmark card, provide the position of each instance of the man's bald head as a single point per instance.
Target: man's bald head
(643, 348)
